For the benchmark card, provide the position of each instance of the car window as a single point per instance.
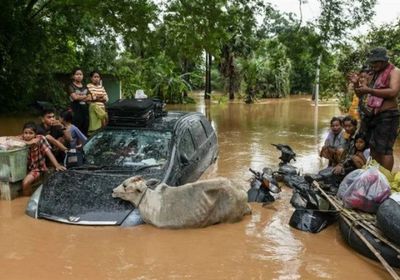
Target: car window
(207, 127)
(186, 146)
(128, 148)
(198, 132)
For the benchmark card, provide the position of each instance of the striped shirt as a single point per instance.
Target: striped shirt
(97, 93)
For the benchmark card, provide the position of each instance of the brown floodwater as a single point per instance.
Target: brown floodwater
(261, 246)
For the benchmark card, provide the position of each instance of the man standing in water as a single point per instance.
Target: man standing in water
(382, 124)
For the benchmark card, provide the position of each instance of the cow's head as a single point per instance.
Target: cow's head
(132, 189)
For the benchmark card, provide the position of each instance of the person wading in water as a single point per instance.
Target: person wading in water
(382, 122)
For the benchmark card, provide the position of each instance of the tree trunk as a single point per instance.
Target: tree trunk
(185, 77)
(232, 76)
(207, 94)
(317, 80)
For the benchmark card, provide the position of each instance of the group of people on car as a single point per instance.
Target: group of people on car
(60, 140)
(376, 88)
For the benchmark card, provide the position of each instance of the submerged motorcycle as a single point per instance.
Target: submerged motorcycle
(263, 186)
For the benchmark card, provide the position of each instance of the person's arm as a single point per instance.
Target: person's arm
(81, 137)
(104, 98)
(386, 93)
(53, 160)
(75, 96)
(56, 143)
(342, 142)
(89, 97)
(31, 142)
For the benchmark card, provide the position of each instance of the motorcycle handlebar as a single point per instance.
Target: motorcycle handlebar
(258, 175)
(252, 171)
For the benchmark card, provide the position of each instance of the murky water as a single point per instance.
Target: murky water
(262, 246)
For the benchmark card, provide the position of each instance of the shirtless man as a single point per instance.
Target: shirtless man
(382, 95)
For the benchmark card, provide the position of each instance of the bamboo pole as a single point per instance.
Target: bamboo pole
(373, 250)
(367, 226)
(360, 235)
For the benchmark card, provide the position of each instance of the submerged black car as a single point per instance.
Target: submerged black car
(176, 149)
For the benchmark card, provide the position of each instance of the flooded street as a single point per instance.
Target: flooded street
(262, 246)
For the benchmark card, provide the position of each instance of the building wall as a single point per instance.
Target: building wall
(113, 88)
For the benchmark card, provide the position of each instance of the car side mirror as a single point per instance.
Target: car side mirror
(184, 159)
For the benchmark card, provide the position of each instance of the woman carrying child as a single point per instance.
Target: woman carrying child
(39, 149)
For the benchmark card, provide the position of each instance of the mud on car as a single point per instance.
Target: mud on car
(174, 147)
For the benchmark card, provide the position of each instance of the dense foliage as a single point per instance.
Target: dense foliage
(252, 49)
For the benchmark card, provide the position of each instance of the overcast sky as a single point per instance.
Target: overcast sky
(387, 11)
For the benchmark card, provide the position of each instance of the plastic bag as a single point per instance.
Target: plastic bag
(348, 181)
(311, 220)
(365, 189)
(395, 184)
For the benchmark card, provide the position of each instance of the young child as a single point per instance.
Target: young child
(39, 149)
(359, 159)
(76, 140)
(334, 143)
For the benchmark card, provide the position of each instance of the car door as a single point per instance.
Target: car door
(186, 157)
(212, 142)
(201, 154)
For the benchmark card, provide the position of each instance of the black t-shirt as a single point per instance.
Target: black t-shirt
(54, 130)
(72, 88)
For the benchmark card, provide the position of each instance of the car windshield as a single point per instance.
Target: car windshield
(128, 148)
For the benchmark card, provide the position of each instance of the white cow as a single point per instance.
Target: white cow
(197, 204)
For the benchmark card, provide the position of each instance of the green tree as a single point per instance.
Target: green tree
(199, 26)
(241, 39)
(336, 19)
(39, 38)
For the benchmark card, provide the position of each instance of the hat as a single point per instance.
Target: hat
(377, 54)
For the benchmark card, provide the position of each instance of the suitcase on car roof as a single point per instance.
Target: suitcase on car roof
(159, 108)
(131, 112)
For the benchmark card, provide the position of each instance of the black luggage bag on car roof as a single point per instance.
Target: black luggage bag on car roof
(134, 112)
(159, 108)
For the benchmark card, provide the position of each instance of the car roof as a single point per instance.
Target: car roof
(164, 123)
